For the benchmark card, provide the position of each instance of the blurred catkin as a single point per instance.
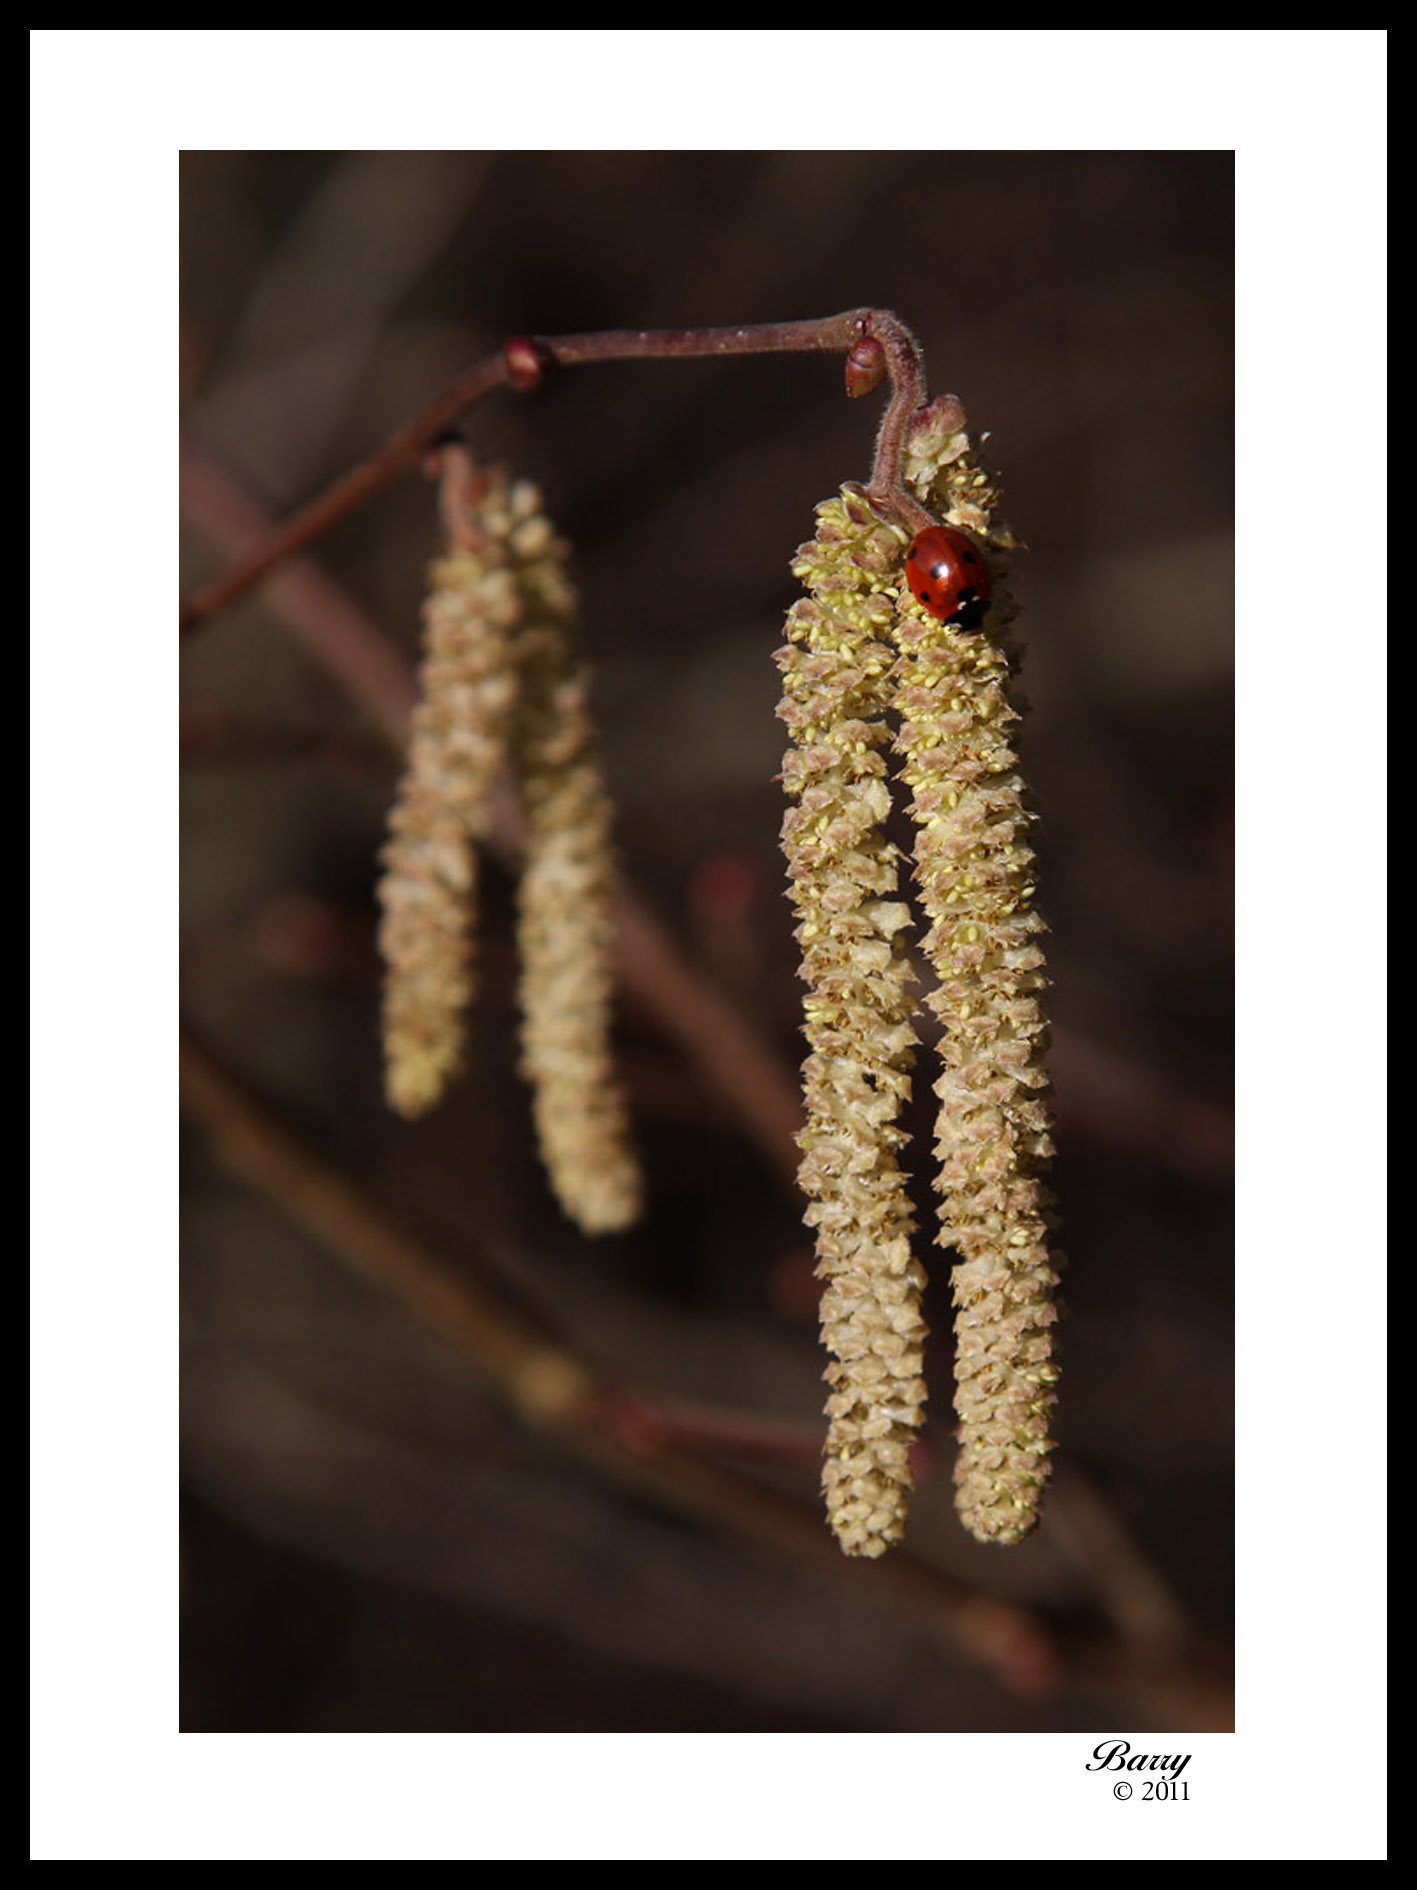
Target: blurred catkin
(975, 874)
(565, 924)
(458, 747)
(836, 690)
(502, 689)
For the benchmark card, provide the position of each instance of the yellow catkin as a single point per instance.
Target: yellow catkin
(564, 901)
(461, 726)
(975, 874)
(843, 873)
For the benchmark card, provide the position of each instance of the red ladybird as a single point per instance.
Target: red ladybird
(947, 574)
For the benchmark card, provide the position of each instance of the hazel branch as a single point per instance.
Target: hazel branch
(526, 362)
(351, 490)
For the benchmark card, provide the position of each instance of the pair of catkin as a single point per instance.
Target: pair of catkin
(866, 671)
(503, 692)
(862, 653)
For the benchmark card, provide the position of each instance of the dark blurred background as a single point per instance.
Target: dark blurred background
(371, 1541)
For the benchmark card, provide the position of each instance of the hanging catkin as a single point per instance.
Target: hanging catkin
(843, 874)
(458, 748)
(975, 874)
(565, 923)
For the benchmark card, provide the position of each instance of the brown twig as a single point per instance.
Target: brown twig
(711, 1431)
(527, 362)
(906, 366)
(209, 735)
(347, 494)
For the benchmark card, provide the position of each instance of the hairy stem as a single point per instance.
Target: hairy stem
(526, 362)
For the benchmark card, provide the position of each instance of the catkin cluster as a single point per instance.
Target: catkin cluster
(836, 672)
(946, 686)
(502, 690)
(869, 675)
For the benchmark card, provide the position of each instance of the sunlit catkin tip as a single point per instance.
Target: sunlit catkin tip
(857, 1014)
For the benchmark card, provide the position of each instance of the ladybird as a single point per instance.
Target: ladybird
(947, 574)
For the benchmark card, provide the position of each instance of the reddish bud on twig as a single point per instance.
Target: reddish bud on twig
(865, 367)
(530, 363)
(526, 363)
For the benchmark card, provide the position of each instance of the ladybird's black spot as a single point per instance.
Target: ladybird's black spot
(940, 569)
(970, 612)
